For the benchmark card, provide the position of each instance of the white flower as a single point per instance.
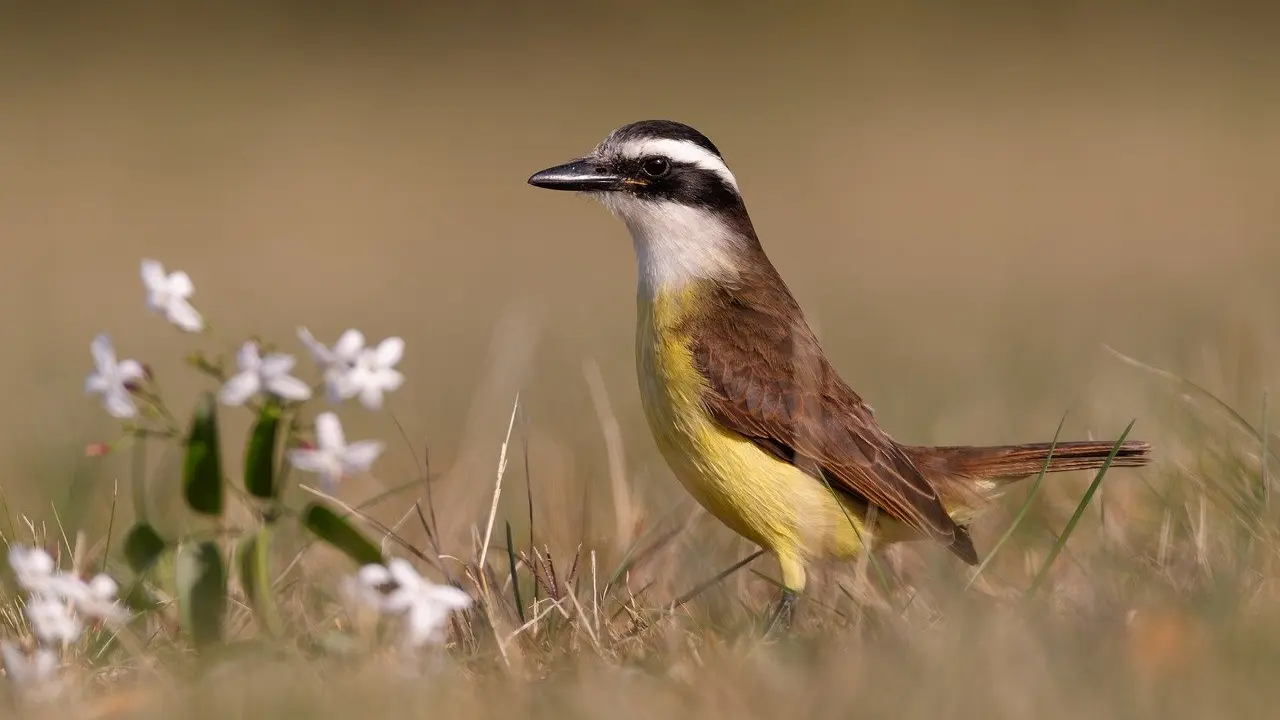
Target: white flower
(398, 589)
(35, 675)
(334, 458)
(32, 566)
(168, 293)
(351, 369)
(52, 621)
(257, 373)
(426, 605)
(37, 574)
(336, 362)
(374, 373)
(368, 586)
(111, 378)
(97, 599)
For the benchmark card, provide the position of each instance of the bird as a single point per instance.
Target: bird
(746, 409)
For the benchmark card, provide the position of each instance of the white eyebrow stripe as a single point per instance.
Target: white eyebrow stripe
(681, 151)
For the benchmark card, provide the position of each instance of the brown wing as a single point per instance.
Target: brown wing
(768, 380)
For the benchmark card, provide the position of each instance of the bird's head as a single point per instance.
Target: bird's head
(671, 186)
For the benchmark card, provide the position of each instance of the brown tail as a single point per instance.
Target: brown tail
(1014, 462)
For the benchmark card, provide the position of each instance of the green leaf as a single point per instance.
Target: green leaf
(142, 547)
(202, 474)
(260, 453)
(201, 580)
(328, 526)
(255, 576)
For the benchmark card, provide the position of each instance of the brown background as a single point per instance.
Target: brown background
(968, 202)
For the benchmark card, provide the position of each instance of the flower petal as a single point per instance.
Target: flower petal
(359, 456)
(130, 370)
(248, 357)
(104, 355)
(321, 354)
(424, 622)
(449, 596)
(288, 387)
(240, 388)
(180, 285)
(44, 661)
(329, 432)
(389, 351)
(181, 313)
(402, 572)
(102, 587)
(96, 383)
(277, 364)
(29, 562)
(15, 663)
(349, 344)
(119, 403)
(390, 379)
(153, 277)
(313, 461)
(335, 385)
(371, 394)
(52, 620)
(373, 575)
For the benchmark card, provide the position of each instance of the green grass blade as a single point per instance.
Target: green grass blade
(515, 579)
(1070, 527)
(881, 575)
(714, 579)
(1022, 511)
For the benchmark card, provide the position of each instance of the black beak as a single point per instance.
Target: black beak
(584, 174)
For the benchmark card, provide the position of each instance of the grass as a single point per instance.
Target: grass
(1170, 610)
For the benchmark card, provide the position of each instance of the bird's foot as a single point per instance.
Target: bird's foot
(784, 612)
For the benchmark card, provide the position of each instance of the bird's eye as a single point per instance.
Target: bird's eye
(656, 167)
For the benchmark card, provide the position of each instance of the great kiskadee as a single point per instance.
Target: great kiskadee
(747, 411)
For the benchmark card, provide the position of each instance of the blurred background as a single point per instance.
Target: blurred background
(969, 201)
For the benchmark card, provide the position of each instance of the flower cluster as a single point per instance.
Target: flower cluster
(57, 605)
(397, 589)
(350, 370)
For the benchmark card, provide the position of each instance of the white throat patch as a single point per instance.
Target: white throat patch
(675, 244)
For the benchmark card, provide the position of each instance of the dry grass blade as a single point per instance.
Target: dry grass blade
(623, 513)
(1221, 405)
(497, 487)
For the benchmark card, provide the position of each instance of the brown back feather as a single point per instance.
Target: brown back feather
(768, 380)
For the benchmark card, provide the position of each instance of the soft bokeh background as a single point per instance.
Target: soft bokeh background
(968, 200)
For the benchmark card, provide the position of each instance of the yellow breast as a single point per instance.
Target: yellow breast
(767, 501)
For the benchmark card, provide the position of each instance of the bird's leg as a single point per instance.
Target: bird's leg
(783, 613)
